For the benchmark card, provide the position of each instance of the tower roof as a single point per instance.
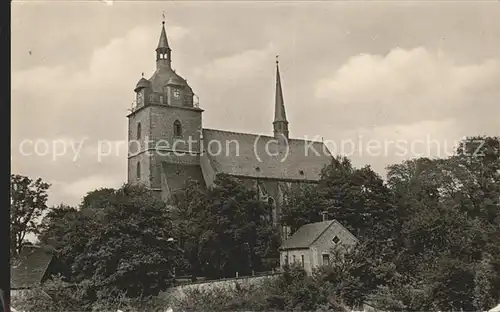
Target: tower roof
(279, 108)
(163, 42)
(143, 83)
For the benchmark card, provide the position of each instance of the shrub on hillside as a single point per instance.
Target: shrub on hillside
(293, 290)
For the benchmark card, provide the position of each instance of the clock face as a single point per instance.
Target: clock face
(176, 93)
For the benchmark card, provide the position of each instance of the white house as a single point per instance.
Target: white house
(311, 244)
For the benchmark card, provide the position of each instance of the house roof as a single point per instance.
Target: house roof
(306, 235)
(30, 267)
(256, 156)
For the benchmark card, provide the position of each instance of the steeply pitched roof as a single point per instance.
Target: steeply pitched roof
(162, 76)
(279, 109)
(306, 235)
(309, 233)
(163, 42)
(177, 176)
(252, 155)
(30, 267)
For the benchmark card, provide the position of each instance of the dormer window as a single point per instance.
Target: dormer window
(177, 128)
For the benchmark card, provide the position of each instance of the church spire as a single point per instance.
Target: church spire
(163, 57)
(280, 123)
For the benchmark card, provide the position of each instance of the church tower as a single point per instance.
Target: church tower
(164, 127)
(280, 123)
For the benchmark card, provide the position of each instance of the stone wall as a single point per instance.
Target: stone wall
(228, 283)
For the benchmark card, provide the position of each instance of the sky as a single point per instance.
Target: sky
(377, 81)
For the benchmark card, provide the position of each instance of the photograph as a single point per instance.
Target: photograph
(178, 156)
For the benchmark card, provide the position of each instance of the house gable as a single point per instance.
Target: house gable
(334, 236)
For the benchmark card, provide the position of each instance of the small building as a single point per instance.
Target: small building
(30, 269)
(311, 245)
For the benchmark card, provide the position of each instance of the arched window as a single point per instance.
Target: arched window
(177, 128)
(138, 131)
(138, 170)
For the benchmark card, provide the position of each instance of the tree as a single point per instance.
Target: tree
(448, 210)
(357, 198)
(28, 202)
(225, 229)
(56, 224)
(304, 206)
(98, 199)
(124, 248)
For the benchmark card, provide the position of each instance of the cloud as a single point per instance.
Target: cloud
(79, 188)
(330, 89)
(59, 108)
(86, 99)
(234, 68)
(406, 86)
(382, 109)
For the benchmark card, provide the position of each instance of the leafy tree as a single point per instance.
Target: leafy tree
(448, 210)
(28, 202)
(56, 224)
(124, 248)
(224, 229)
(304, 206)
(98, 199)
(357, 198)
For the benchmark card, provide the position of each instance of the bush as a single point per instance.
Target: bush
(293, 290)
(58, 296)
(55, 295)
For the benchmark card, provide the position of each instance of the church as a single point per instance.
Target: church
(168, 144)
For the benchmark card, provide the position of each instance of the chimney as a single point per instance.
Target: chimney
(325, 215)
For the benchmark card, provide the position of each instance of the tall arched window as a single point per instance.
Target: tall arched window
(138, 131)
(177, 128)
(138, 170)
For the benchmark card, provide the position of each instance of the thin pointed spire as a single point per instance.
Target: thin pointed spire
(163, 52)
(280, 123)
(163, 42)
(279, 109)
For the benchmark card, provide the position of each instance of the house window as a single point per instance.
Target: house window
(336, 239)
(326, 259)
(138, 170)
(161, 99)
(138, 131)
(293, 259)
(302, 260)
(177, 128)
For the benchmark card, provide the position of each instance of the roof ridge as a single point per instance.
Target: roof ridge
(240, 133)
(262, 135)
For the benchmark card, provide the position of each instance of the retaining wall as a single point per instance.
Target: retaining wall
(228, 283)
